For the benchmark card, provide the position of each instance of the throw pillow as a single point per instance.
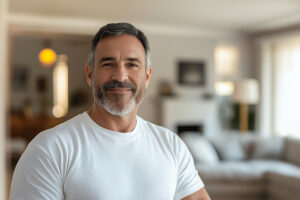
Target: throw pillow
(230, 148)
(269, 147)
(200, 148)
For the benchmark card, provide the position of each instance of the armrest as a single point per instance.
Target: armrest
(292, 151)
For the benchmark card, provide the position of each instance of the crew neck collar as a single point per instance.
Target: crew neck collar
(96, 126)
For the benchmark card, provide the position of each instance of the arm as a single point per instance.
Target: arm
(199, 195)
(189, 184)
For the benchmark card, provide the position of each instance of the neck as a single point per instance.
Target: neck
(116, 123)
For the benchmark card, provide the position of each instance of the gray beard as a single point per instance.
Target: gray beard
(113, 104)
(115, 108)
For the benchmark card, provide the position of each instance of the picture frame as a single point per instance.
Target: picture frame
(20, 77)
(191, 73)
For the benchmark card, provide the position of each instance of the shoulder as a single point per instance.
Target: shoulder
(42, 168)
(60, 135)
(156, 129)
(57, 147)
(161, 133)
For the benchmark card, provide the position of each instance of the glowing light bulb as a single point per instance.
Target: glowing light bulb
(224, 88)
(47, 57)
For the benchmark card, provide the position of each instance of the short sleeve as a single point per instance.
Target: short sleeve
(188, 180)
(36, 176)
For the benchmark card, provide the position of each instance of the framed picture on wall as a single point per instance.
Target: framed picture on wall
(191, 73)
(20, 77)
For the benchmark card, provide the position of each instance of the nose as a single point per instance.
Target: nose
(120, 73)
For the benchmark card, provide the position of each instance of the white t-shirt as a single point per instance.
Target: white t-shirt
(80, 160)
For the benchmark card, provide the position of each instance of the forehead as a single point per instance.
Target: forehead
(122, 46)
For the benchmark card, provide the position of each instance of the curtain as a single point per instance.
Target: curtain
(285, 79)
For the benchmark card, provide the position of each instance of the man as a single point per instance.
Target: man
(109, 153)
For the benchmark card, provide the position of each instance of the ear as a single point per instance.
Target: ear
(88, 74)
(148, 76)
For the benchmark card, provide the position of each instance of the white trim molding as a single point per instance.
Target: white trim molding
(71, 25)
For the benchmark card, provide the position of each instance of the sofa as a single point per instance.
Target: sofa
(247, 166)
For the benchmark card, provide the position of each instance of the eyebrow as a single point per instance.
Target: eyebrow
(133, 60)
(106, 59)
(113, 59)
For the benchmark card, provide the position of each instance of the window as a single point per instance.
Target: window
(281, 87)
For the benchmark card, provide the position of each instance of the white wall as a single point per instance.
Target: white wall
(3, 95)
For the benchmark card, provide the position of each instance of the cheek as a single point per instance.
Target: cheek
(143, 84)
(141, 81)
(100, 78)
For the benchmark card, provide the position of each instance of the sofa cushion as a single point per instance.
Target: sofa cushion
(229, 148)
(244, 170)
(275, 166)
(229, 171)
(200, 148)
(268, 147)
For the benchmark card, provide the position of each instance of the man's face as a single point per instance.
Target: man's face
(119, 77)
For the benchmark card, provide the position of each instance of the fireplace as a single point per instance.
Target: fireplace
(182, 115)
(181, 128)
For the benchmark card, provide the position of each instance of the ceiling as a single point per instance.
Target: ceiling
(234, 15)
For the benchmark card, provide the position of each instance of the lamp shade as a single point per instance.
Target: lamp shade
(246, 92)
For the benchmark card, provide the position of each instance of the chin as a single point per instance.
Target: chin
(117, 111)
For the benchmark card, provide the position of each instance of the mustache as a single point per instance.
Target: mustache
(117, 84)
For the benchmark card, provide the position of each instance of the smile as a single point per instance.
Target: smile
(119, 90)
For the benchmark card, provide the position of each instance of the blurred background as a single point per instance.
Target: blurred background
(218, 66)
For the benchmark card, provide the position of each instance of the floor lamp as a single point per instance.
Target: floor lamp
(246, 92)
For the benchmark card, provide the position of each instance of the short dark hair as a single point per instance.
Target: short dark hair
(115, 29)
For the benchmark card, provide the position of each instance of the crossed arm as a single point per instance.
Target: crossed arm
(199, 195)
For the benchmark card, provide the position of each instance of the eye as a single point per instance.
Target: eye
(132, 65)
(107, 64)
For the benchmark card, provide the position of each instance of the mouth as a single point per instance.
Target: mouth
(119, 90)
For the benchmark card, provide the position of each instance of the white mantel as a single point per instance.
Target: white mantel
(178, 111)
